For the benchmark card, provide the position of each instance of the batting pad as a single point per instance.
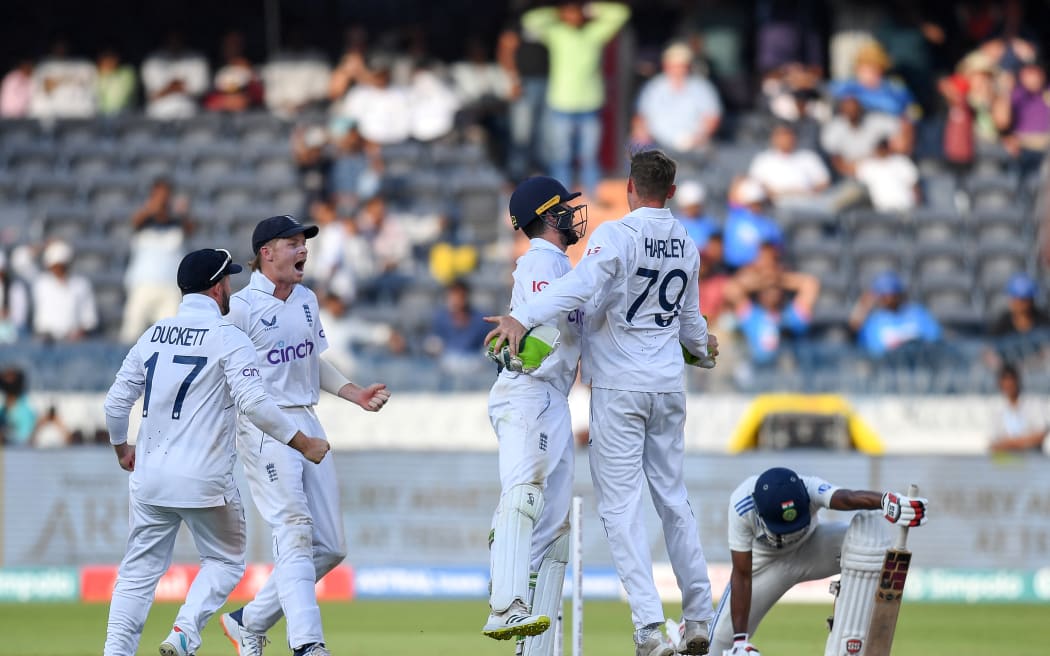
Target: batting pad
(547, 599)
(863, 551)
(512, 543)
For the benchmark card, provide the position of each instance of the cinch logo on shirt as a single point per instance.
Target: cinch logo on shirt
(289, 353)
(248, 372)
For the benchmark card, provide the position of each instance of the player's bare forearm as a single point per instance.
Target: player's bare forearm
(856, 500)
(371, 398)
(740, 590)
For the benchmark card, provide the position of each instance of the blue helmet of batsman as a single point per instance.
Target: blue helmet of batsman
(781, 500)
(546, 199)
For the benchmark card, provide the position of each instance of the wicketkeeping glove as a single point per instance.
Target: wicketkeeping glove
(535, 347)
(900, 509)
(705, 362)
(741, 647)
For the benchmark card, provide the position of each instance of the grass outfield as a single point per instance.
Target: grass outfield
(453, 629)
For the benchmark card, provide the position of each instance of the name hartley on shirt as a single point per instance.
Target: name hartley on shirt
(665, 247)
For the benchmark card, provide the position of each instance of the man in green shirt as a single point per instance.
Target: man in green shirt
(575, 35)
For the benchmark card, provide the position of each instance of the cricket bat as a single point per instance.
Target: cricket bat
(888, 594)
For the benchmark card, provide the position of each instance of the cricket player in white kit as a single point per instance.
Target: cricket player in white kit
(530, 414)
(638, 287)
(299, 502)
(193, 370)
(776, 541)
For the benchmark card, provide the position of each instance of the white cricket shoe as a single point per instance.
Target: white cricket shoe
(175, 644)
(316, 649)
(515, 621)
(652, 641)
(244, 641)
(693, 638)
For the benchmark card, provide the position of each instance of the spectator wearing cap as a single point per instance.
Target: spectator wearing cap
(852, 134)
(64, 303)
(747, 227)
(870, 86)
(789, 175)
(690, 198)
(677, 110)
(883, 320)
(1020, 424)
(1022, 316)
(160, 227)
(174, 79)
(575, 38)
(892, 179)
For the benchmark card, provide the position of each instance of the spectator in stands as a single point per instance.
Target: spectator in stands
(870, 86)
(747, 227)
(174, 80)
(1013, 42)
(690, 197)
(236, 87)
(790, 176)
(389, 250)
(575, 39)
(852, 134)
(677, 110)
(1023, 113)
(892, 179)
(352, 67)
(159, 231)
(16, 90)
(1022, 315)
(63, 303)
(380, 110)
(357, 167)
(432, 105)
(455, 333)
(14, 304)
(483, 88)
(17, 417)
(884, 322)
(326, 251)
(314, 162)
(1020, 425)
(51, 432)
(526, 62)
(713, 278)
(295, 78)
(116, 84)
(970, 122)
(771, 314)
(63, 86)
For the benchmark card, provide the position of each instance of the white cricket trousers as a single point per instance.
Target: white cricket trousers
(220, 538)
(637, 437)
(772, 575)
(300, 502)
(532, 423)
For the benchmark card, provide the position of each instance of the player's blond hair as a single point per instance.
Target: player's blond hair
(255, 264)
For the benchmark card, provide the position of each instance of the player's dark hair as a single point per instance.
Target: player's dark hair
(653, 173)
(534, 228)
(1009, 371)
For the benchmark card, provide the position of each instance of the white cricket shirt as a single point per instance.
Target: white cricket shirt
(192, 369)
(288, 338)
(638, 287)
(538, 267)
(746, 531)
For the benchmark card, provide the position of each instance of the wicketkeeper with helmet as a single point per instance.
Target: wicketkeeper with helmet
(529, 411)
(776, 541)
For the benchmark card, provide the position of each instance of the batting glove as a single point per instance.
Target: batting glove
(536, 346)
(900, 509)
(741, 647)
